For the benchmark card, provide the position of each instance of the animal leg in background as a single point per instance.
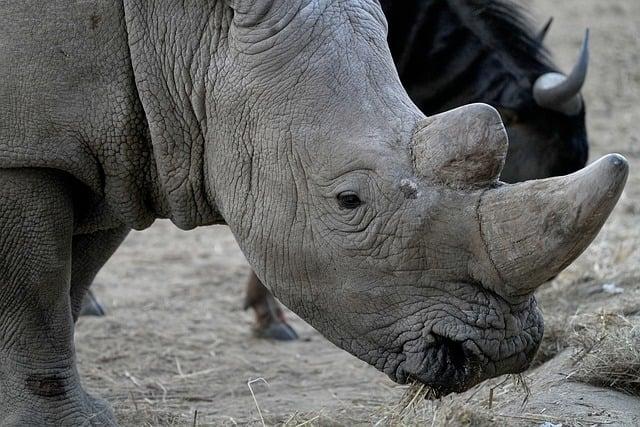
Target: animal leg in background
(90, 253)
(39, 381)
(271, 322)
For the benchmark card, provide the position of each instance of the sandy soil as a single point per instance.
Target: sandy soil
(177, 347)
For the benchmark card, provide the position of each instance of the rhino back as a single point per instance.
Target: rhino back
(68, 102)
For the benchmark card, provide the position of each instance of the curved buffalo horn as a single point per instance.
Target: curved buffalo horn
(544, 30)
(561, 93)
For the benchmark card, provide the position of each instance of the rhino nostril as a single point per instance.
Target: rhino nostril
(452, 352)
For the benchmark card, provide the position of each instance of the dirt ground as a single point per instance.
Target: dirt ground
(176, 346)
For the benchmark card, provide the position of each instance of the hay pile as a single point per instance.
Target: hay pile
(418, 406)
(608, 351)
(607, 346)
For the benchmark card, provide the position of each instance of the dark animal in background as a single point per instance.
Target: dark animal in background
(450, 53)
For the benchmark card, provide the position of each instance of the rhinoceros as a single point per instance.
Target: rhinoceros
(447, 56)
(386, 230)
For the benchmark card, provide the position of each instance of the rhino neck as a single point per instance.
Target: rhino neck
(171, 47)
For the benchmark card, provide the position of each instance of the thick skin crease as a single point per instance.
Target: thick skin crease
(286, 120)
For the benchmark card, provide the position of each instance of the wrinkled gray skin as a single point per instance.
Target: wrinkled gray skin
(274, 117)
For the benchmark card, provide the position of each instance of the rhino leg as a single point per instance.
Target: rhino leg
(90, 253)
(271, 322)
(39, 381)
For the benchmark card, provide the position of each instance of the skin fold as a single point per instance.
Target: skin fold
(286, 120)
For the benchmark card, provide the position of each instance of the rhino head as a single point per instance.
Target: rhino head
(386, 230)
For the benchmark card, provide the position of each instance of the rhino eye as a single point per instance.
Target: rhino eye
(348, 200)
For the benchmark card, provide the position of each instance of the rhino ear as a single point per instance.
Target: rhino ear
(461, 148)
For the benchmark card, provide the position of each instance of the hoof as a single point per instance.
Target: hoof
(277, 331)
(91, 306)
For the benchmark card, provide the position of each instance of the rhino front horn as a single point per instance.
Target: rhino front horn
(461, 148)
(561, 93)
(532, 230)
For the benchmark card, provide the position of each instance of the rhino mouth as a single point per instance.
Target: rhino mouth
(447, 366)
(450, 362)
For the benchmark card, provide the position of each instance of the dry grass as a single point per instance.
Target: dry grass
(438, 413)
(570, 306)
(418, 406)
(608, 351)
(607, 345)
(146, 417)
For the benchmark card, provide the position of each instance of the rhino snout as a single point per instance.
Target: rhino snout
(457, 352)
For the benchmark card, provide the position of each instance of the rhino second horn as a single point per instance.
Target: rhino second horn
(461, 148)
(561, 93)
(533, 230)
